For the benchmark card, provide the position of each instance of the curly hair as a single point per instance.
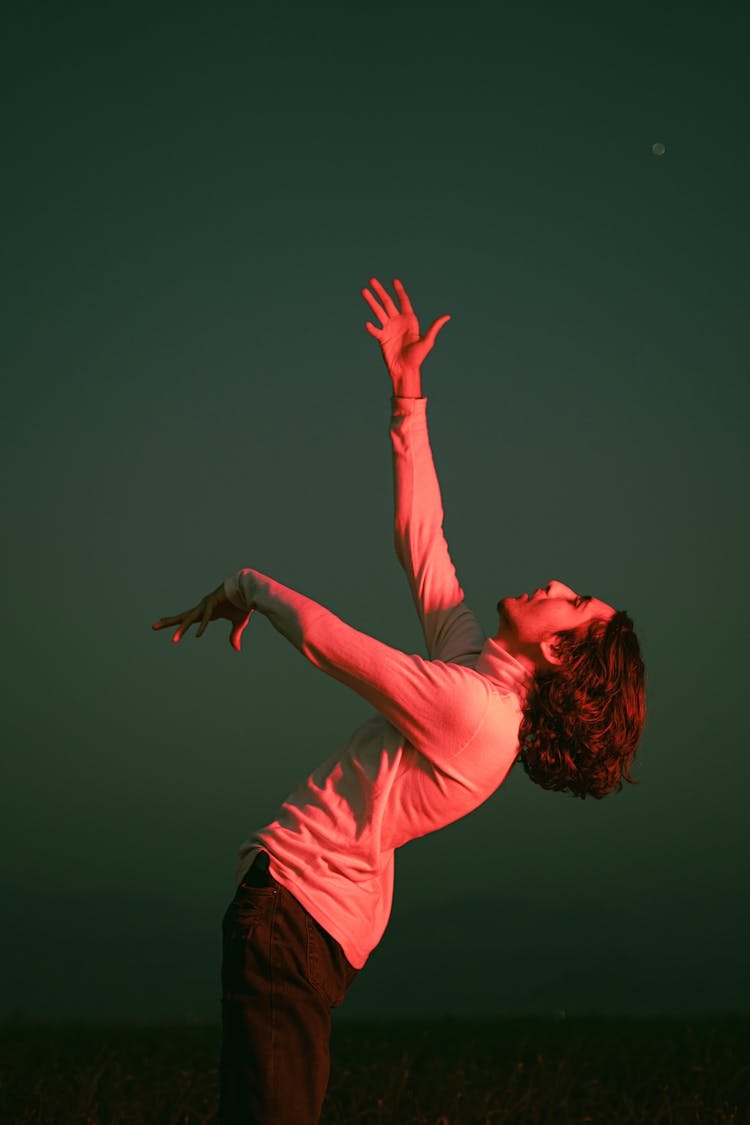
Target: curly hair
(583, 720)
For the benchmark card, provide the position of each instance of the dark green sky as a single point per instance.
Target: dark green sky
(194, 198)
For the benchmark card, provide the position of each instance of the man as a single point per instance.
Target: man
(559, 688)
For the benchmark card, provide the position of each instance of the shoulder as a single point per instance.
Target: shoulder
(459, 686)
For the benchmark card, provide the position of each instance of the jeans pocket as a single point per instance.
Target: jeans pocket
(249, 906)
(250, 910)
(325, 964)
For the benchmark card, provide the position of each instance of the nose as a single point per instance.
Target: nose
(557, 588)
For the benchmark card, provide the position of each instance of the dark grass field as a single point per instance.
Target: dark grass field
(411, 1073)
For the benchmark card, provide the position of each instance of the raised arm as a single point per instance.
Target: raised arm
(452, 632)
(403, 348)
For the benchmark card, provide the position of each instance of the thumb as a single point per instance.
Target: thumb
(236, 634)
(431, 333)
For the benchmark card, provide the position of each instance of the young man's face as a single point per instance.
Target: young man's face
(528, 624)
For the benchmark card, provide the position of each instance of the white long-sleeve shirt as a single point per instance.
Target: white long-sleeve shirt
(443, 738)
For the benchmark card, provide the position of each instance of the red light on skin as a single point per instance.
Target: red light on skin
(210, 608)
(527, 625)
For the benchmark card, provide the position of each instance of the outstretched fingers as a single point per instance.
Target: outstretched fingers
(388, 308)
(379, 311)
(165, 622)
(207, 612)
(403, 297)
(184, 627)
(385, 297)
(184, 620)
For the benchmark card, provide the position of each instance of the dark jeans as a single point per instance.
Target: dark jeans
(281, 975)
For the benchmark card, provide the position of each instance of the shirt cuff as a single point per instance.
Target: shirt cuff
(403, 404)
(233, 590)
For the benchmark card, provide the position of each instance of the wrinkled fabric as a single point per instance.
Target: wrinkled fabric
(443, 737)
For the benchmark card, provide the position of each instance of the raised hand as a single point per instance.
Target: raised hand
(402, 346)
(210, 608)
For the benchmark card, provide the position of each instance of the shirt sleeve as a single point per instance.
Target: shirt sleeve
(437, 707)
(451, 631)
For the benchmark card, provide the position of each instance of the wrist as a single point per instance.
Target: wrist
(242, 589)
(407, 384)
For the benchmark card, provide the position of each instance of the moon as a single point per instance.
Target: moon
(658, 149)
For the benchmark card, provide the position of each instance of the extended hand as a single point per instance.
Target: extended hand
(402, 346)
(210, 608)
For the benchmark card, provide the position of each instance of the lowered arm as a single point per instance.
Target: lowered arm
(417, 696)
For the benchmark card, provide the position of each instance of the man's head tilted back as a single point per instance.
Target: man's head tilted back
(584, 714)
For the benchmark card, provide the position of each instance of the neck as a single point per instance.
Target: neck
(527, 655)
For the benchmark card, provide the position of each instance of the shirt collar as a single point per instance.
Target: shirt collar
(503, 669)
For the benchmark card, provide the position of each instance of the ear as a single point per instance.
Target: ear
(548, 650)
